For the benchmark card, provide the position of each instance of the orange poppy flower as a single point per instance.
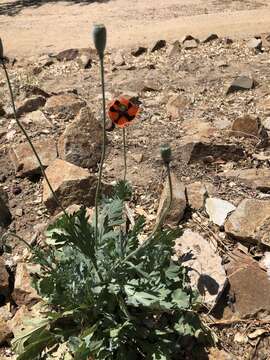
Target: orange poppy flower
(122, 112)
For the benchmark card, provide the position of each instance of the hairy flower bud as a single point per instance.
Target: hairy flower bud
(1, 49)
(166, 153)
(100, 37)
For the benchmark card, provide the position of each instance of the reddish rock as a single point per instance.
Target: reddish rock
(81, 143)
(24, 293)
(71, 184)
(250, 221)
(24, 160)
(178, 202)
(64, 105)
(250, 288)
(255, 178)
(245, 126)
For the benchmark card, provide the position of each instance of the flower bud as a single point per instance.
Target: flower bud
(1, 49)
(100, 37)
(166, 153)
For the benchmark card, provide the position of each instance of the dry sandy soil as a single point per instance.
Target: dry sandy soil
(33, 27)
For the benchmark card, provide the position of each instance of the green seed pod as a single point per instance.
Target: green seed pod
(1, 49)
(100, 37)
(166, 153)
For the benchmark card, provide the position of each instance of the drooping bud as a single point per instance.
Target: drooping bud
(166, 153)
(100, 37)
(1, 49)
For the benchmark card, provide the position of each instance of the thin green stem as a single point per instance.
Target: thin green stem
(103, 145)
(125, 153)
(160, 222)
(28, 138)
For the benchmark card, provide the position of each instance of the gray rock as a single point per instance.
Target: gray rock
(67, 55)
(209, 38)
(207, 274)
(81, 143)
(218, 210)
(31, 104)
(139, 51)
(241, 83)
(158, 45)
(5, 216)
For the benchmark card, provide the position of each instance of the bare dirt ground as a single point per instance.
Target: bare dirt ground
(34, 27)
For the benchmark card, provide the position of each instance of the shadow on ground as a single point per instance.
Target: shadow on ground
(14, 7)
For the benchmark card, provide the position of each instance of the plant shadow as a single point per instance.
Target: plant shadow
(13, 8)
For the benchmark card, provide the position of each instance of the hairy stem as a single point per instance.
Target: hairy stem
(28, 138)
(125, 153)
(103, 145)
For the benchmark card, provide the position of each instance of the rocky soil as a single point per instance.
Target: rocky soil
(210, 101)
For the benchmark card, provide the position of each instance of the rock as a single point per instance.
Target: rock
(139, 51)
(65, 105)
(118, 59)
(158, 45)
(24, 293)
(37, 119)
(176, 105)
(178, 202)
(32, 90)
(188, 38)
(227, 41)
(255, 44)
(209, 38)
(31, 104)
(67, 55)
(174, 49)
(5, 216)
(4, 282)
(258, 179)
(207, 274)
(250, 287)
(5, 332)
(218, 210)
(85, 60)
(24, 160)
(201, 151)
(250, 221)
(190, 44)
(71, 184)
(196, 195)
(81, 143)
(266, 123)
(241, 83)
(216, 354)
(19, 212)
(245, 126)
(70, 210)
